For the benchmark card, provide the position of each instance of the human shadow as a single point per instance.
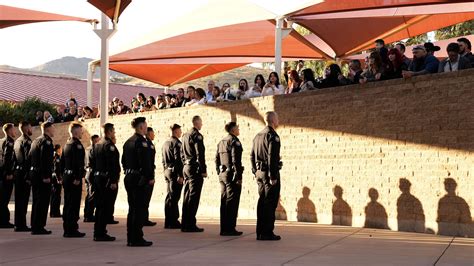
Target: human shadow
(410, 215)
(375, 214)
(306, 210)
(454, 215)
(341, 211)
(280, 212)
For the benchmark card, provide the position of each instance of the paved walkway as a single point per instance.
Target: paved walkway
(302, 244)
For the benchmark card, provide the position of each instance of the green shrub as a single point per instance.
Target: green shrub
(24, 111)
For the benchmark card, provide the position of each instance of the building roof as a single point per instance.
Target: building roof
(16, 86)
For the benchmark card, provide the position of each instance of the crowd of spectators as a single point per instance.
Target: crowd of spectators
(384, 63)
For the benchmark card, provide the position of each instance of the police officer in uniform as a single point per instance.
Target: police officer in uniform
(7, 167)
(41, 171)
(22, 183)
(173, 172)
(230, 169)
(74, 170)
(194, 160)
(89, 201)
(106, 162)
(138, 167)
(266, 165)
(150, 137)
(57, 183)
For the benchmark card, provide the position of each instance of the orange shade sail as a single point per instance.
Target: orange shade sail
(108, 7)
(13, 16)
(201, 53)
(349, 27)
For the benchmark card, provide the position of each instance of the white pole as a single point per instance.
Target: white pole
(278, 39)
(105, 34)
(90, 79)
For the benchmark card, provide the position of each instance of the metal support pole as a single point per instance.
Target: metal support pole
(104, 34)
(90, 79)
(278, 39)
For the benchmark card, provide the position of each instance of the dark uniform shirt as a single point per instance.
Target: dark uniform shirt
(73, 158)
(41, 156)
(265, 153)
(137, 156)
(193, 150)
(22, 149)
(172, 155)
(152, 151)
(7, 157)
(107, 160)
(229, 156)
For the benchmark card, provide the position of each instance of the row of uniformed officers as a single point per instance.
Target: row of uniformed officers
(33, 165)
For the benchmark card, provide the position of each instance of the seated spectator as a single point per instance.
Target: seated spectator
(353, 77)
(382, 50)
(216, 95)
(167, 101)
(422, 63)
(200, 98)
(70, 103)
(293, 83)
(71, 115)
(39, 117)
(455, 61)
(47, 117)
(160, 102)
(465, 49)
(331, 79)
(141, 99)
(179, 98)
(210, 86)
(135, 105)
(89, 113)
(123, 109)
(431, 48)
(401, 47)
(60, 115)
(308, 80)
(112, 109)
(226, 91)
(191, 92)
(149, 105)
(273, 86)
(395, 66)
(374, 69)
(256, 90)
(115, 102)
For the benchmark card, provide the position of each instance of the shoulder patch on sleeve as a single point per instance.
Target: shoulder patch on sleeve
(48, 142)
(112, 148)
(10, 144)
(277, 139)
(152, 146)
(145, 145)
(199, 137)
(79, 146)
(238, 143)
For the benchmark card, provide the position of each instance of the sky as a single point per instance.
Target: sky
(30, 45)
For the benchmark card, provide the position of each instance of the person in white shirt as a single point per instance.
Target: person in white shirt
(210, 87)
(200, 98)
(273, 86)
(454, 61)
(256, 90)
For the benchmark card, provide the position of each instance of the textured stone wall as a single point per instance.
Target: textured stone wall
(377, 155)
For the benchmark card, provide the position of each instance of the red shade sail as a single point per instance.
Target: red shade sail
(352, 26)
(13, 16)
(108, 7)
(201, 53)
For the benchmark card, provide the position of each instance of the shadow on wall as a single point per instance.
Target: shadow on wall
(410, 215)
(306, 210)
(375, 214)
(454, 215)
(280, 212)
(341, 211)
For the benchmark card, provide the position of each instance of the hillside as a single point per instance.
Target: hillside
(77, 67)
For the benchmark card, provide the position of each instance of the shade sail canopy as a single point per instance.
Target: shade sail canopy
(439, 54)
(210, 51)
(352, 26)
(109, 7)
(13, 16)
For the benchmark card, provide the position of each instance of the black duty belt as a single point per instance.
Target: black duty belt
(34, 168)
(19, 167)
(68, 172)
(99, 173)
(132, 171)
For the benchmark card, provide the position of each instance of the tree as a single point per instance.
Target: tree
(461, 29)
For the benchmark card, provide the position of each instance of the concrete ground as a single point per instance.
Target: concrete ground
(302, 244)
